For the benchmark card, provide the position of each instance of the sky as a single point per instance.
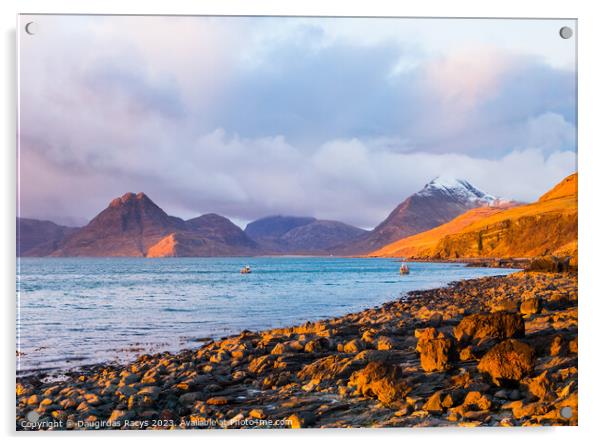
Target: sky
(336, 118)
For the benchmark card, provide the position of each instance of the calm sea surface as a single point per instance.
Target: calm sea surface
(73, 312)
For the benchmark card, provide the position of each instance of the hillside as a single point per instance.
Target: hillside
(205, 236)
(134, 226)
(422, 244)
(548, 226)
(300, 235)
(38, 238)
(438, 202)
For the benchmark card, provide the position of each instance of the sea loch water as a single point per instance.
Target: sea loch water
(79, 311)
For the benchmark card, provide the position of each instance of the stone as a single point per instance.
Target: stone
(475, 401)
(435, 403)
(435, 319)
(279, 349)
(558, 346)
(425, 334)
(368, 336)
(118, 416)
(504, 306)
(301, 420)
(128, 379)
(22, 390)
(500, 325)
(319, 344)
(257, 413)
(332, 367)
(385, 343)
(150, 391)
(467, 353)
(126, 391)
(354, 346)
(217, 401)
(436, 354)
(540, 386)
(92, 399)
(508, 361)
(190, 397)
(261, 364)
(573, 346)
(531, 306)
(380, 380)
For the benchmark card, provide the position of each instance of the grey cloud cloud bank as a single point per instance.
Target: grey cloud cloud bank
(249, 117)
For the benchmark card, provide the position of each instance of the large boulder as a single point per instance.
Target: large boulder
(436, 350)
(508, 362)
(500, 325)
(380, 380)
(332, 367)
(436, 354)
(550, 263)
(530, 306)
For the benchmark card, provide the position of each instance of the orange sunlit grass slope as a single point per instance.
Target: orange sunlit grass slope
(422, 244)
(548, 226)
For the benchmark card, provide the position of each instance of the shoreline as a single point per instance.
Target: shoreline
(367, 368)
(77, 358)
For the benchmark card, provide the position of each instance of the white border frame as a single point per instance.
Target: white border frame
(589, 75)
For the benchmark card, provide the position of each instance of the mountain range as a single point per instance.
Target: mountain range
(301, 235)
(446, 218)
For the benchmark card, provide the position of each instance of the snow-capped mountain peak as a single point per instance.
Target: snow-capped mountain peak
(460, 190)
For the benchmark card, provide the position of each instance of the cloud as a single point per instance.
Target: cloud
(248, 117)
(348, 180)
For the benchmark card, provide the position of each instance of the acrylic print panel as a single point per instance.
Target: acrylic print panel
(283, 222)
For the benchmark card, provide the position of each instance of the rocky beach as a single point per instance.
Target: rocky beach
(496, 351)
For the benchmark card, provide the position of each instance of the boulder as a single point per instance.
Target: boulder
(425, 334)
(540, 386)
(354, 346)
(436, 354)
(550, 263)
(475, 401)
(118, 416)
(261, 364)
(301, 420)
(558, 346)
(385, 343)
(332, 367)
(435, 403)
(508, 361)
(530, 306)
(500, 325)
(318, 345)
(380, 380)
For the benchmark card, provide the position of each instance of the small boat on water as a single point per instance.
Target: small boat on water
(245, 269)
(404, 269)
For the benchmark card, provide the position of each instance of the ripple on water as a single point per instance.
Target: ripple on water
(83, 310)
